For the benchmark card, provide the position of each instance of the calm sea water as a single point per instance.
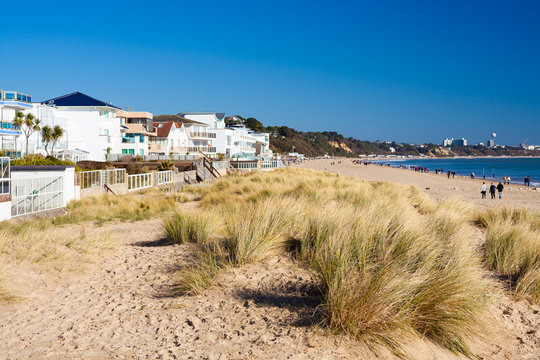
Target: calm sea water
(516, 168)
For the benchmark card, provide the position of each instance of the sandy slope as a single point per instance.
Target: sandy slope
(437, 186)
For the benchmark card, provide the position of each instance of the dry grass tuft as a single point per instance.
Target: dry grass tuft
(512, 248)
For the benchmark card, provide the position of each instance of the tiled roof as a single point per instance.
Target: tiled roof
(164, 128)
(175, 118)
(77, 99)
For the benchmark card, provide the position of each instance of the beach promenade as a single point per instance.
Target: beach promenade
(438, 186)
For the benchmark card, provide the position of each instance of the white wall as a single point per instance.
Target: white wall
(68, 181)
(5, 210)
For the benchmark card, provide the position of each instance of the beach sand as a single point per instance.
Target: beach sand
(438, 186)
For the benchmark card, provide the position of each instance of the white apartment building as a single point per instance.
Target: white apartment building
(90, 127)
(12, 102)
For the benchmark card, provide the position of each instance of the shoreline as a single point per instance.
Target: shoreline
(438, 186)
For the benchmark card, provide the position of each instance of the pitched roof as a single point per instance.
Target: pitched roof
(176, 118)
(164, 128)
(77, 99)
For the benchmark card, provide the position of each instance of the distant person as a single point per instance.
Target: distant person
(504, 179)
(472, 175)
(492, 189)
(525, 180)
(448, 174)
(528, 181)
(453, 174)
(500, 188)
(508, 180)
(483, 190)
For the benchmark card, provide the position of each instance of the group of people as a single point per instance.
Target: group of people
(506, 179)
(527, 181)
(492, 190)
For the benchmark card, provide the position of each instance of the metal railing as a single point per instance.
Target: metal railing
(5, 175)
(36, 194)
(98, 178)
(199, 134)
(245, 165)
(140, 181)
(164, 177)
(204, 149)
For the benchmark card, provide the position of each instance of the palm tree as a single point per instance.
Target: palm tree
(57, 133)
(46, 137)
(28, 124)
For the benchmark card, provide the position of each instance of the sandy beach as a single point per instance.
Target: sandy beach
(438, 186)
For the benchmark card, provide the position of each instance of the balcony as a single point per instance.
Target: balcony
(128, 140)
(155, 148)
(197, 134)
(203, 149)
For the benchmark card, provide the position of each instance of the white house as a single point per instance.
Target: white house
(140, 128)
(195, 135)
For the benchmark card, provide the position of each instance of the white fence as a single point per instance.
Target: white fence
(98, 178)
(4, 175)
(164, 177)
(270, 164)
(258, 165)
(36, 194)
(245, 165)
(140, 181)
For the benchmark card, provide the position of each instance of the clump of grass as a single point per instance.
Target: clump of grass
(512, 248)
(391, 263)
(195, 227)
(200, 274)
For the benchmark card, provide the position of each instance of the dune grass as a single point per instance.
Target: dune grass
(391, 263)
(512, 248)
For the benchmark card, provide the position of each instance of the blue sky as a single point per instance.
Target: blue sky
(409, 71)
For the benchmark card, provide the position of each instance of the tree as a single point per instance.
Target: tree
(107, 153)
(57, 133)
(46, 137)
(28, 124)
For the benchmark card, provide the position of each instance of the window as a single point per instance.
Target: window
(141, 152)
(131, 151)
(124, 151)
(106, 132)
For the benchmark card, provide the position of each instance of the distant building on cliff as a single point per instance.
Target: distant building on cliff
(451, 142)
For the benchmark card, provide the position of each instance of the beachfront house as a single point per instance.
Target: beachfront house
(235, 141)
(140, 129)
(90, 127)
(11, 102)
(195, 135)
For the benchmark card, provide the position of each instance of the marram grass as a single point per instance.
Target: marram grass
(392, 264)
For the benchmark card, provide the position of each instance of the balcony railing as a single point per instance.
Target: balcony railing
(198, 134)
(204, 149)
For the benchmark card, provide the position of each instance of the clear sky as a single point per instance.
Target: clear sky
(409, 71)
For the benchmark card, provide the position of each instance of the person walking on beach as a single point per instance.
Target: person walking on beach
(508, 180)
(472, 175)
(483, 190)
(448, 174)
(504, 179)
(500, 188)
(492, 189)
(453, 174)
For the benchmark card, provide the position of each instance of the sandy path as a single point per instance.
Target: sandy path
(437, 186)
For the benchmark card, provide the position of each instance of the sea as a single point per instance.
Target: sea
(491, 168)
